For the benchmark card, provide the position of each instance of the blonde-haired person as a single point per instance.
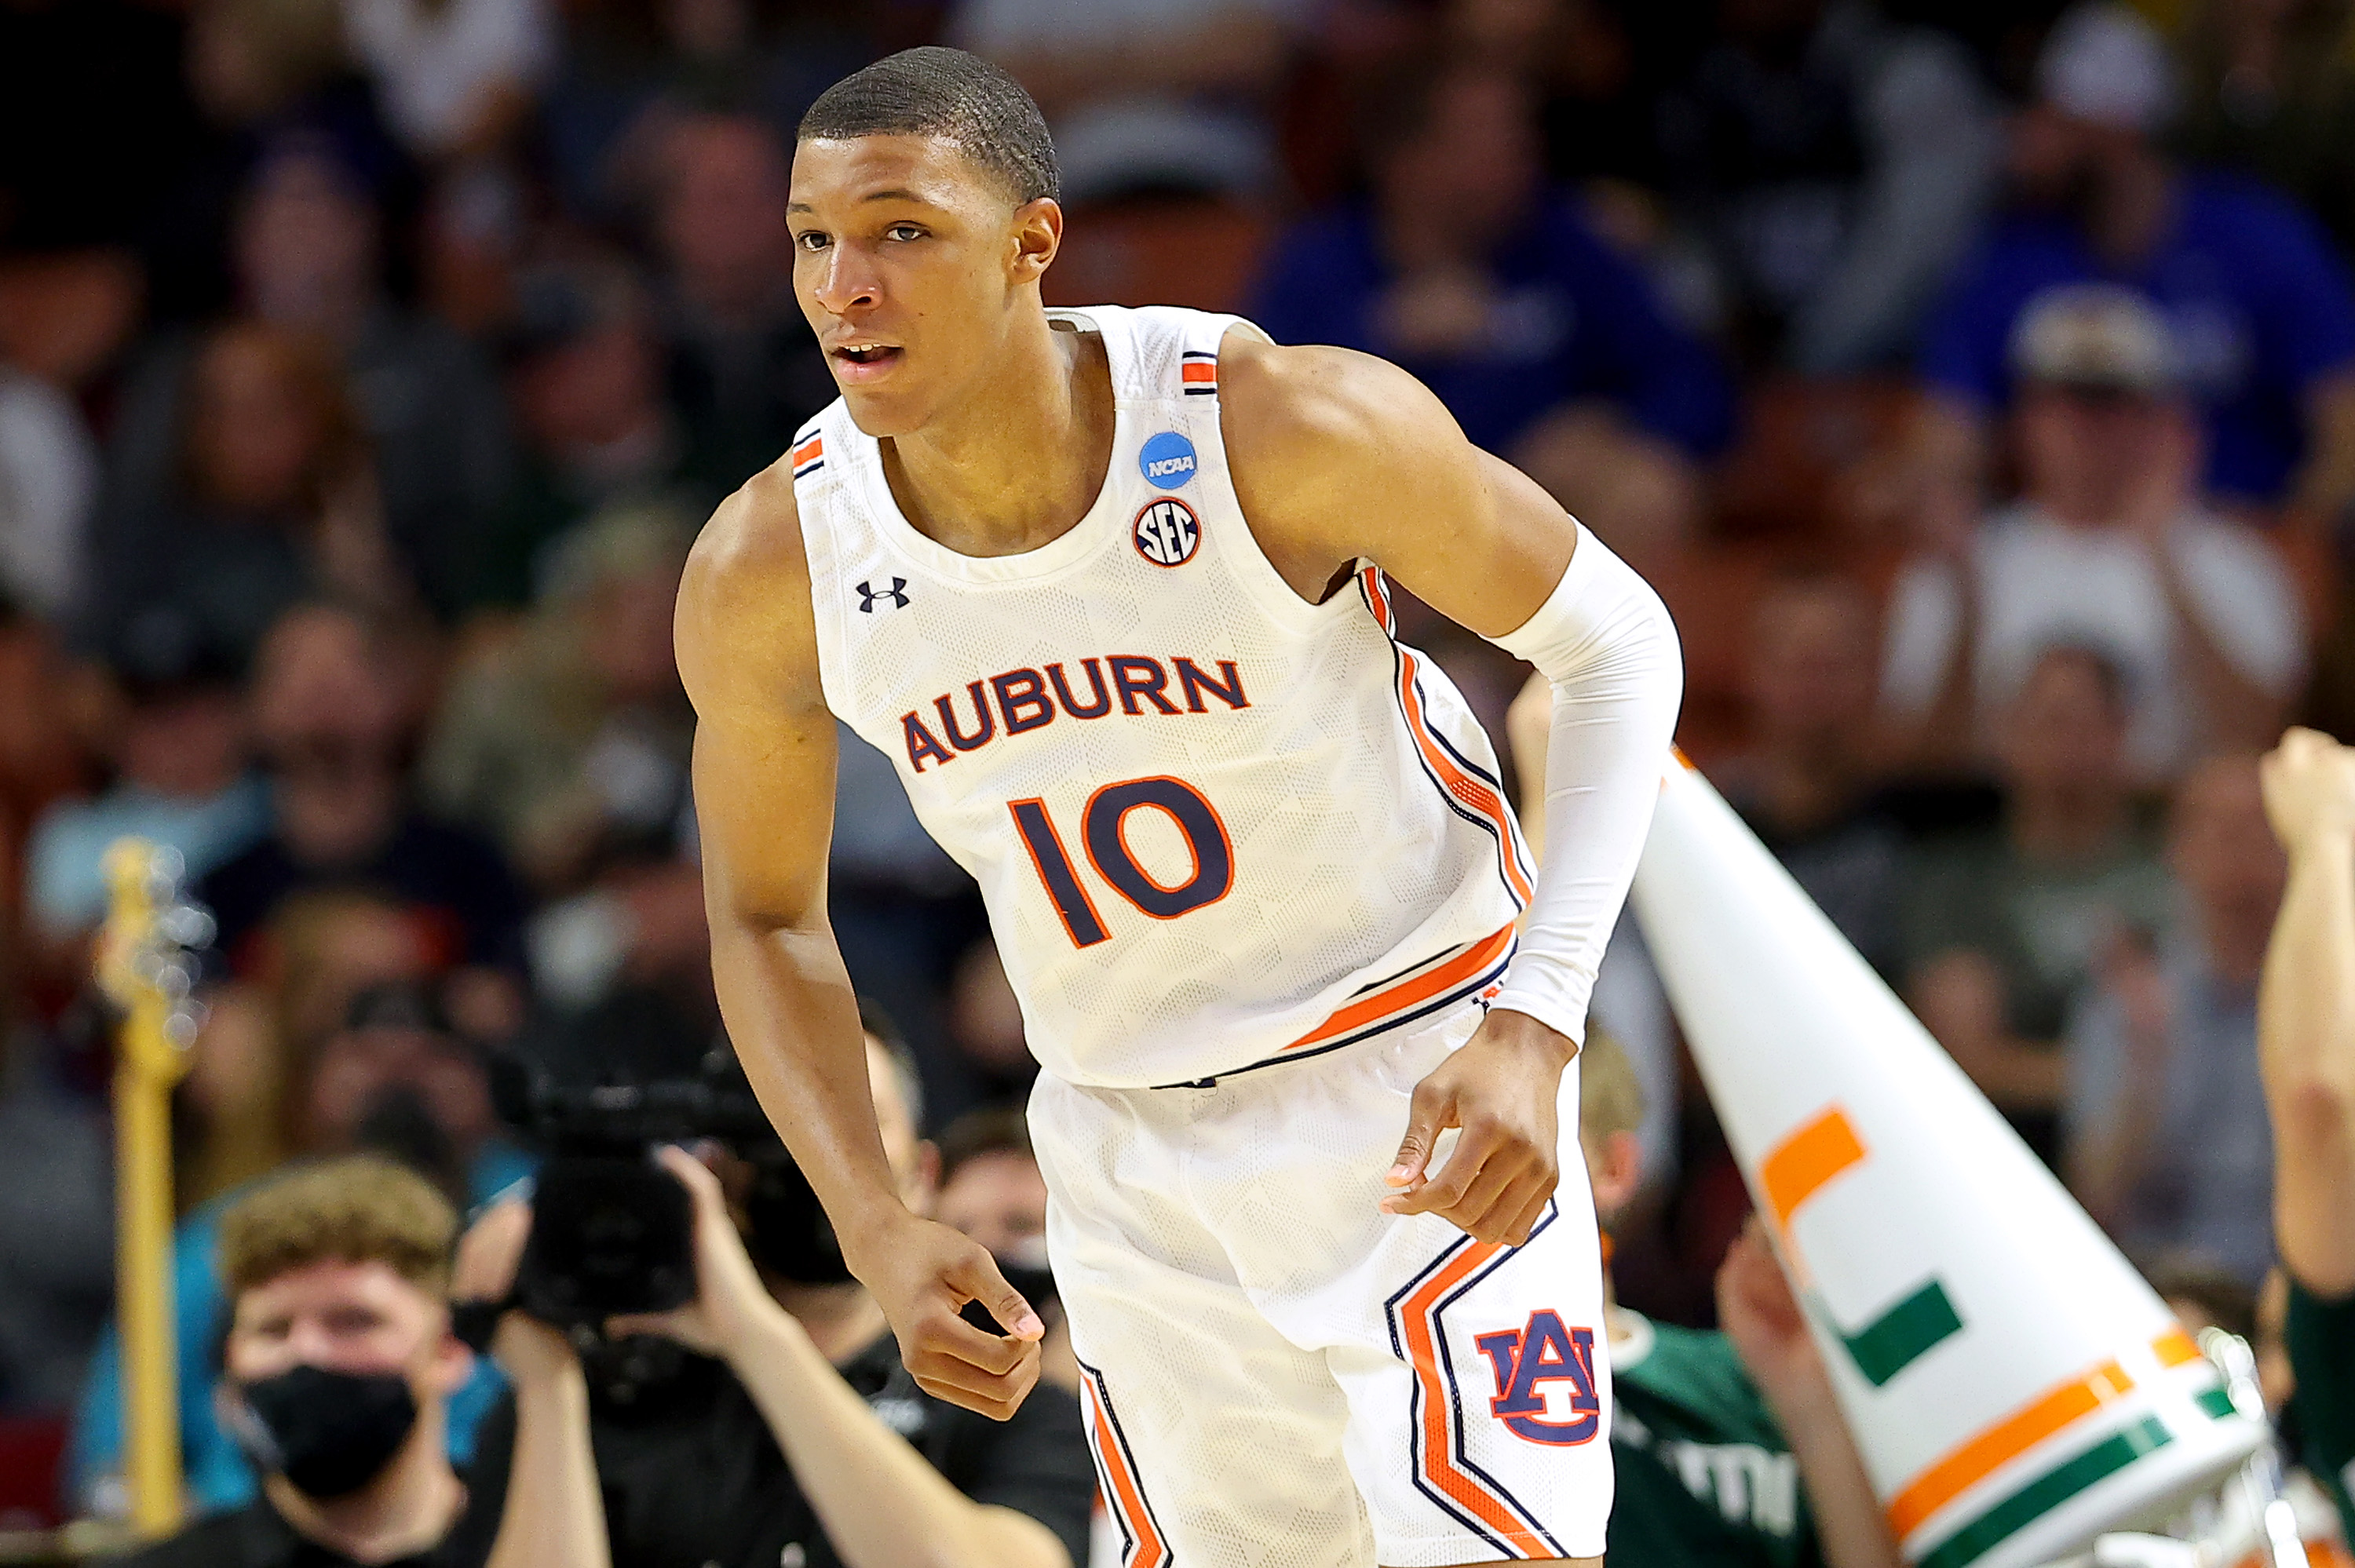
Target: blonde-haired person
(1727, 1446)
(336, 1374)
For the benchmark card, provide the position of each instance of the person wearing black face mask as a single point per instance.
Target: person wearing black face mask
(337, 1368)
(801, 1441)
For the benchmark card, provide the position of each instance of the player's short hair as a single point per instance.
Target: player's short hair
(947, 93)
(360, 1208)
(1610, 1096)
(990, 1130)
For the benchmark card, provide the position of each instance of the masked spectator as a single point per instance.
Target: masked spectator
(333, 698)
(743, 370)
(336, 1373)
(1837, 164)
(992, 1189)
(1144, 96)
(392, 1078)
(808, 1444)
(2003, 925)
(2168, 1144)
(1544, 344)
(307, 252)
(1806, 784)
(2260, 308)
(2307, 1055)
(1685, 1402)
(2109, 546)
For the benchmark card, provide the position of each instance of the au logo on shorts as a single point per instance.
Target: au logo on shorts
(1525, 1360)
(1167, 460)
(1166, 532)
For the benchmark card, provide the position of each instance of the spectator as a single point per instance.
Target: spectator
(277, 500)
(2306, 1053)
(744, 372)
(331, 704)
(2109, 546)
(1806, 787)
(48, 477)
(392, 1080)
(1545, 344)
(307, 254)
(2270, 91)
(1685, 1402)
(338, 1367)
(570, 743)
(456, 76)
(181, 779)
(588, 387)
(1836, 164)
(989, 1060)
(2004, 926)
(2259, 307)
(57, 1219)
(810, 1444)
(1145, 96)
(2167, 1138)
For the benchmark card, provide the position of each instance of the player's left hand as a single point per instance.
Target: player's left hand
(1500, 1090)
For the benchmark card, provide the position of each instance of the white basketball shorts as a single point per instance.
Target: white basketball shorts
(1280, 1375)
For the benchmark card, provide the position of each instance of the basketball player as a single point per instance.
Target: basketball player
(1111, 589)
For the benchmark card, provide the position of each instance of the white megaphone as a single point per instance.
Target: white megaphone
(2014, 1387)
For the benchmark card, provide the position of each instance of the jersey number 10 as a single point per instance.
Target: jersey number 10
(1103, 833)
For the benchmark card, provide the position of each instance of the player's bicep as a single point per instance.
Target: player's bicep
(764, 813)
(1360, 460)
(1488, 552)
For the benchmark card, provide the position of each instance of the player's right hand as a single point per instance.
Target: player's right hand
(922, 1274)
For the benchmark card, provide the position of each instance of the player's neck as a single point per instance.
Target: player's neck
(1018, 463)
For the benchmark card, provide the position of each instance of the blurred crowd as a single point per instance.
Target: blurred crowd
(1976, 381)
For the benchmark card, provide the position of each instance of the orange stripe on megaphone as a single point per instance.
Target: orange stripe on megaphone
(1798, 1166)
(2175, 1349)
(2005, 1441)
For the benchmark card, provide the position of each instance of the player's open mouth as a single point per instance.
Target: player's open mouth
(863, 361)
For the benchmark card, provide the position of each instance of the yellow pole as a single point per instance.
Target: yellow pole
(142, 966)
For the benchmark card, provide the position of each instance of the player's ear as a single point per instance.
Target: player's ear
(1038, 236)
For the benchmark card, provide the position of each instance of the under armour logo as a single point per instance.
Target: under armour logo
(897, 593)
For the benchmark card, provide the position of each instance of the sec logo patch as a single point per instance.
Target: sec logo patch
(1167, 460)
(1166, 532)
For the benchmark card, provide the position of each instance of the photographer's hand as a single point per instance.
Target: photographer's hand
(730, 1303)
(554, 1516)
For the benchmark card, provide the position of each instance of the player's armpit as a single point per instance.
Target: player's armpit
(1338, 456)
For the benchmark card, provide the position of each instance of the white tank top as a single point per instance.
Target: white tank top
(1216, 826)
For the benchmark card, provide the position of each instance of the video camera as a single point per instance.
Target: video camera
(613, 1232)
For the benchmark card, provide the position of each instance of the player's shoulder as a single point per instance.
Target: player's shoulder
(1316, 421)
(745, 599)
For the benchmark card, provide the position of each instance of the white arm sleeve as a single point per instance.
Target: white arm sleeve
(1604, 640)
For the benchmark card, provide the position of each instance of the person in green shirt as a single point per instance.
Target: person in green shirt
(1728, 1449)
(2305, 1052)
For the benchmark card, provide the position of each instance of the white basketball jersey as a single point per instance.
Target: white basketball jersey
(1216, 826)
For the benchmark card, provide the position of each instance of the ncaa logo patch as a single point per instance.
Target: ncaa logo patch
(1166, 532)
(1167, 460)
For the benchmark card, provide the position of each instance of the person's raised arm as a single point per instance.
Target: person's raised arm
(2305, 1011)
(764, 760)
(1341, 458)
